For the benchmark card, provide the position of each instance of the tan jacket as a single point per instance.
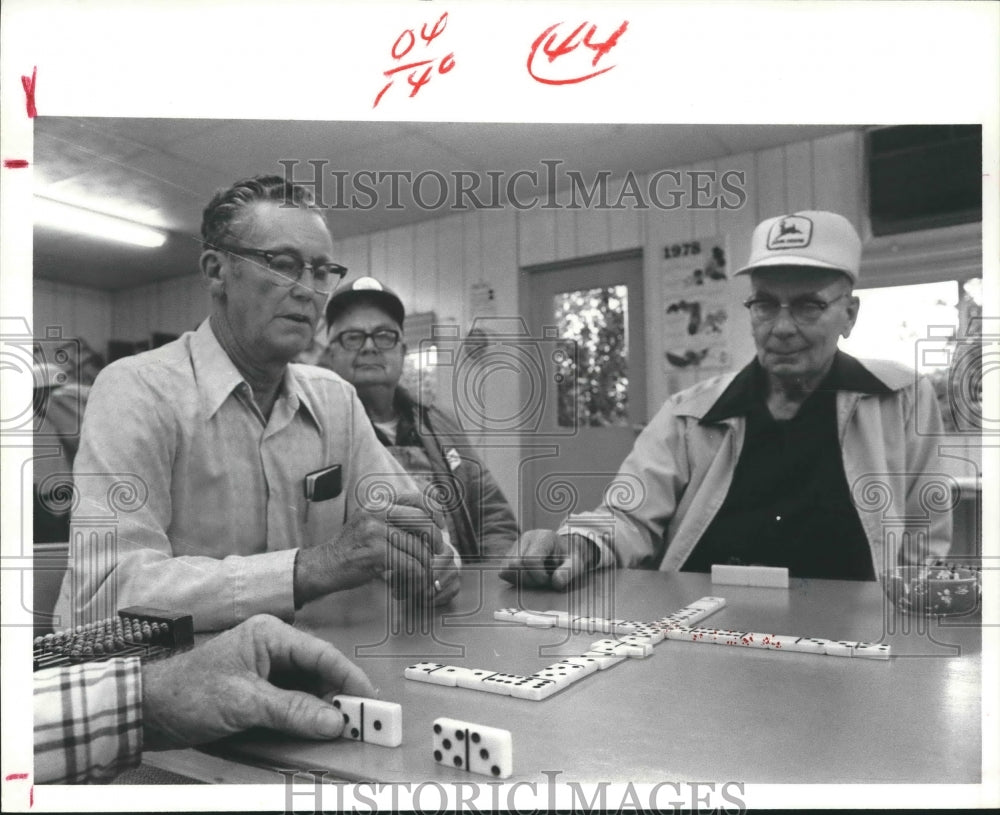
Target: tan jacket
(676, 478)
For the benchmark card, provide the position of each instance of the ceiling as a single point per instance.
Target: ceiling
(163, 172)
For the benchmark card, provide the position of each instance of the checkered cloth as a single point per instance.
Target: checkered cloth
(88, 721)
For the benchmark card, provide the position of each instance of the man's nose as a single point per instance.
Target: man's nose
(784, 324)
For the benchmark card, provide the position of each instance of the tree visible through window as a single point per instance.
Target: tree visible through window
(593, 382)
(933, 328)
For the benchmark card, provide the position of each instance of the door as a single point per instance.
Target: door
(597, 396)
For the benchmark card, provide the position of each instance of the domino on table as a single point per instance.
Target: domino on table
(474, 748)
(431, 672)
(604, 659)
(536, 619)
(498, 683)
(625, 647)
(371, 720)
(766, 576)
(535, 688)
(565, 673)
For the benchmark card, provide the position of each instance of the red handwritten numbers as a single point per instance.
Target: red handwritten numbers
(404, 44)
(550, 49)
(29, 92)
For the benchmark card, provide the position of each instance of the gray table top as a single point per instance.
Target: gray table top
(688, 712)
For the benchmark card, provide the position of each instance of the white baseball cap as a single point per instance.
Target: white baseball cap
(824, 240)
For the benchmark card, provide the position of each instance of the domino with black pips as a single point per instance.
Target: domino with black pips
(535, 688)
(563, 673)
(499, 683)
(872, 650)
(603, 659)
(473, 748)
(807, 645)
(370, 720)
(430, 672)
(840, 648)
(471, 678)
(631, 648)
(589, 664)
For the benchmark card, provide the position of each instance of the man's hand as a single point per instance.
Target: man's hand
(543, 559)
(262, 673)
(404, 545)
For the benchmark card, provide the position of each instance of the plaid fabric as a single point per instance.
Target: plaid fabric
(88, 721)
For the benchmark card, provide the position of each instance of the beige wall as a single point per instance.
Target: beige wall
(432, 264)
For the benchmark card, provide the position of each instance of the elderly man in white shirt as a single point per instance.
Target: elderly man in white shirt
(215, 477)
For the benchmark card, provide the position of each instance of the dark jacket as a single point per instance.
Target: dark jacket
(484, 520)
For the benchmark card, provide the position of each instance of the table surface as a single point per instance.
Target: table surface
(689, 712)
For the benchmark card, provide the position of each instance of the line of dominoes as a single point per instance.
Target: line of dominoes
(630, 638)
(680, 626)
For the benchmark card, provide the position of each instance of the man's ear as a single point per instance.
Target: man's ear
(211, 266)
(853, 306)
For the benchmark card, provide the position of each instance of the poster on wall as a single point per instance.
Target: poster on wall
(696, 307)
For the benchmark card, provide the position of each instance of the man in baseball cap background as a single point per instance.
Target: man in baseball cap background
(768, 466)
(366, 347)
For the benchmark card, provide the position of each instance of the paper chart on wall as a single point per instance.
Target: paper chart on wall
(696, 306)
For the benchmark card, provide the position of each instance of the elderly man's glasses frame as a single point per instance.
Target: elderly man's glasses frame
(384, 339)
(803, 310)
(288, 268)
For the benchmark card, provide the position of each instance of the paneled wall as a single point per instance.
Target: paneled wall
(433, 264)
(171, 306)
(77, 311)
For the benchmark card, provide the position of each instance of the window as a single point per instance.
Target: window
(931, 327)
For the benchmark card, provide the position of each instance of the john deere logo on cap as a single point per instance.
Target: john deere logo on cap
(367, 284)
(790, 232)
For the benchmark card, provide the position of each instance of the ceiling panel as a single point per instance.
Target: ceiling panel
(164, 171)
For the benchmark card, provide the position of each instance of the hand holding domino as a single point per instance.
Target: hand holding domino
(543, 559)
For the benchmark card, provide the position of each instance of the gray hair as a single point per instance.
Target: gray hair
(227, 206)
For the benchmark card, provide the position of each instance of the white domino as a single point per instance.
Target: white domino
(589, 664)
(371, 720)
(499, 683)
(535, 688)
(603, 659)
(872, 650)
(471, 678)
(840, 648)
(764, 576)
(562, 618)
(538, 619)
(431, 673)
(678, 632)
(806, 645)
(563, 673)
(473, 748)
(624, 647)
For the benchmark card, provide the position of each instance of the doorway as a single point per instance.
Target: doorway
(592, 309)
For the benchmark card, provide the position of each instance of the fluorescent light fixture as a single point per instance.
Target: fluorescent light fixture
(70, 218)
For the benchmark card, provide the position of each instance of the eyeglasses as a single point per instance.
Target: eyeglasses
(384, 339)
(288, 268)
(803, 310)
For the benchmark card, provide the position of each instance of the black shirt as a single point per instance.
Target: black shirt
(789, 503)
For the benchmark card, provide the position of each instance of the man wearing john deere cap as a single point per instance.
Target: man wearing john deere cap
(795, 461)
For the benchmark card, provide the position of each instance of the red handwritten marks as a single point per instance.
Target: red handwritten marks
(404, 44)
(23, 777)
(29, 92)
(15, 163)
(568, 48)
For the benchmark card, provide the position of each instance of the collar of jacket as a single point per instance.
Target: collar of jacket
(726, 396)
